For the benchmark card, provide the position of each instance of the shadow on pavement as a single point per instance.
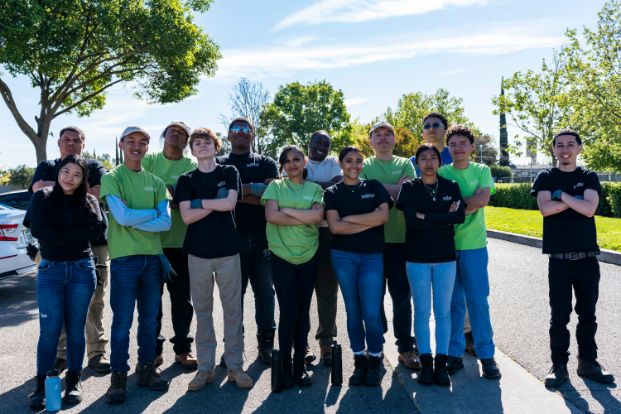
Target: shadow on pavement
(18, 297)
(599, 392)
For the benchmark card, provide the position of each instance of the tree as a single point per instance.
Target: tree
(484, 150)
(594, 71)
(299, 110)
(21, 176)
(248, 99)
(73, 51)
(104, 159)
(538, 102)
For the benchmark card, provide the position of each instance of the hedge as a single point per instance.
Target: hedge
(518, 196)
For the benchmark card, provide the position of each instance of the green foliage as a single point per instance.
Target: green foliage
(21, 176)
(73, 51)
(610, 201)
(499, 171)
(484, 150)
(104, 159)
(299, 110)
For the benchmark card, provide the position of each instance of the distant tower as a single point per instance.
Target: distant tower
(116, 148)
(504, 136)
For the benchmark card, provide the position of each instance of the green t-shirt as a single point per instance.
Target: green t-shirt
(472, 233)
(140, 190)
(390, 172)
(295, 244)
(170, 171)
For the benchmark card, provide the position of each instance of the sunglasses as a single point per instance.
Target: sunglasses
(240, 128)
(435, 125)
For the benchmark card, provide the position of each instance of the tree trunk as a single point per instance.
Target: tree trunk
(40, 140)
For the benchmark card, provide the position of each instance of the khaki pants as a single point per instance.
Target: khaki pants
(226, 272)
(95, 336)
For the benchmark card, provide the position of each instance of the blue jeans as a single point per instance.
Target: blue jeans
(471, 289)
(424, 277)
(361, 279)
(64, 291)
(134, 279)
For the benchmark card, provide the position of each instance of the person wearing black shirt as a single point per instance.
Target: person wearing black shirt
(356, 211)
(64, 218)
(71, 142)
(567, 197)
(255, 171)
(431, 205)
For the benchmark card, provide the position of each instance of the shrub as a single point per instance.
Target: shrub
(499, 171)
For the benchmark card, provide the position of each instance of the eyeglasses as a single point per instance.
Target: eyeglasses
(240, 128)
(435, 125)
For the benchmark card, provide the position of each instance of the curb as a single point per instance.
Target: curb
(606, 256)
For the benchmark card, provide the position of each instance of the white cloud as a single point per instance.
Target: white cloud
(350, 102)
(356, 11)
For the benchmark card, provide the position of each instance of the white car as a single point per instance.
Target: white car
(15, 243)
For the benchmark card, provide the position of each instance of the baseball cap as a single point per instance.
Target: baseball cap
(382, 124)
(131, 129)
(179, 124)
(242, 119)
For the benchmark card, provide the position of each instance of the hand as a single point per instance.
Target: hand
(454, 207)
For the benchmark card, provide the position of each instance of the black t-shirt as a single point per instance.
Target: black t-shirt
(568, 231)
(48, 171)
(252, 168)
(214, 235)
(359, 199)
(430, 240)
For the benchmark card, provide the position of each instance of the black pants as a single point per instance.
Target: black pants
(399, 288)
(326, 290)
(583, 277)
(294, 288)
(181, 309)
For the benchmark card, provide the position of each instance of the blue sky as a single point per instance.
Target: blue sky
(374, 50)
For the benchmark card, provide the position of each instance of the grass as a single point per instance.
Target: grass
(530, 223)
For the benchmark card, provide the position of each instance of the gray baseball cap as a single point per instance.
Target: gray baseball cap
(382, 124)
(132, 129)
(179, 124)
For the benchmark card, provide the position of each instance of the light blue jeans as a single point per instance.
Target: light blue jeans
(471, 289)
(425, 279)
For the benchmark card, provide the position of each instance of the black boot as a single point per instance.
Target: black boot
(118, 383)
(360, 370)
(287, 371)
(374, 376)
(38, 395)
(73, 388)
(149, 377)
(593, 370)
(300, 376)
(454, 364)
(425, 375)
(440, 373)
(266, 344)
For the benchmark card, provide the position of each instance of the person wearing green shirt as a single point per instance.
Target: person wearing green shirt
(293, 209)
(392, 171)
(169, 165)
(472, 282)
(138, 211)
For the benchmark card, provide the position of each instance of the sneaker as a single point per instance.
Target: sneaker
(454, 364)
(557, 376)
(73, 388)
(187, 360)
(201, 379)
(116, 393)
(410, 360)
(37, 398)
(309, 357)
(360, 370)
(60, 364)
(100, 364)
(240, 378)
(490, 368)
(469, 348)
(149, 377)
(326, 355)
(593, 370)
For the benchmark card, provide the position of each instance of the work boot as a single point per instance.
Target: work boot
(266, 345)
(440, 374)
(201, 379)
(326, 355)
(425, 375)
(99, 363)
(374, 375)
(149, 377)
(60, 364)
(490, 368)
(300, 375)
(73, 388)
(360, 370)
(116, 393)
(410, 360)
(469, 348)
(557, 376)
(593, 370)
(158, 361)
(454, 364)
(240, 378)
(186, 360)
(309, 357)
(37, 397)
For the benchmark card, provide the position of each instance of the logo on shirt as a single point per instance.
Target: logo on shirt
(252, 164)
(149, 188)
(308, 197)
(447, 198)
(578, 185)
(221, 184)
(363, 196)
(175, 177)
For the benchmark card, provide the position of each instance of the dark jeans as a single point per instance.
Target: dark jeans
(396, 278)
(134, 280)
(326, 290)
(64, 290)
(256, 268)
(181, 309)
(583, 276)
(294, 288)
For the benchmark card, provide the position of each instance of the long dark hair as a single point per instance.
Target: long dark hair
(282, 158)
(81, 193)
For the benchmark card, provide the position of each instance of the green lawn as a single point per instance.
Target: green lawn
(530, 223)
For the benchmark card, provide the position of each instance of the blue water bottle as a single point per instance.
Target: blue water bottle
(52, 391)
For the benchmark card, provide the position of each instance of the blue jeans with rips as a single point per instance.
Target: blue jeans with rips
(134, 279)
(64, 290)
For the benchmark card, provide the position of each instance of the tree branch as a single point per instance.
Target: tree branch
(7, 96)
(86, 98)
